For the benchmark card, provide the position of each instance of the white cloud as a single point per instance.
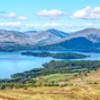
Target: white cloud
(88, 13)
(89, 24)
(22, 18)
(18, 25)
(28, 26)
(8, 16)
(51, 13)
(51, 25)
(12, 15)
(4, 15)
(32, 25)
(11, 24)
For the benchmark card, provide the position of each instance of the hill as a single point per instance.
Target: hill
(84, 40)
(71, 88)
(14, 40)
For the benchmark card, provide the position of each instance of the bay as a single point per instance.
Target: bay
(14, 62)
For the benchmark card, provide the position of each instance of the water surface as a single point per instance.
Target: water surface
(11, 63)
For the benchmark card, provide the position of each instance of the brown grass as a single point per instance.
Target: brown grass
(86, 89)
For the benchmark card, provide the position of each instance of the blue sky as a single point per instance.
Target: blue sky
(66, 15)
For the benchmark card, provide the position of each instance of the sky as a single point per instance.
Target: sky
(65, 15)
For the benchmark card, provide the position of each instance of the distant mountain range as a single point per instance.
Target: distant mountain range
(14, 40)
(84, 40)
(52, 39)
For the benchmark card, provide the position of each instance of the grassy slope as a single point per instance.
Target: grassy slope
(87, 88)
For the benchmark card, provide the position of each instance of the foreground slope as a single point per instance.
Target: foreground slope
(87, 88)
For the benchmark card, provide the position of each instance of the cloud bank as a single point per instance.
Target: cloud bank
(88, 13)
(51, 13)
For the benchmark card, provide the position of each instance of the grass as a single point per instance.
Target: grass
(87, 88)
(58, 77)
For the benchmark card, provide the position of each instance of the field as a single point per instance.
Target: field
(79, 88)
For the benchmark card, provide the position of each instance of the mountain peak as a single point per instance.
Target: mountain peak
(51, 30)
(57, 33)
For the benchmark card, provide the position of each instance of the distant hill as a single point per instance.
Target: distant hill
(91, 34)
(84, 40)
(45, 37)
(51, 39)
(14, 40)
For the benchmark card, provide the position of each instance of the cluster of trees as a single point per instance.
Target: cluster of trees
(29, 78)
(13, 85)
(59, 67)
(30, 83)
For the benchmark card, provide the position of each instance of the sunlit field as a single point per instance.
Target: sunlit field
(85, 88)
